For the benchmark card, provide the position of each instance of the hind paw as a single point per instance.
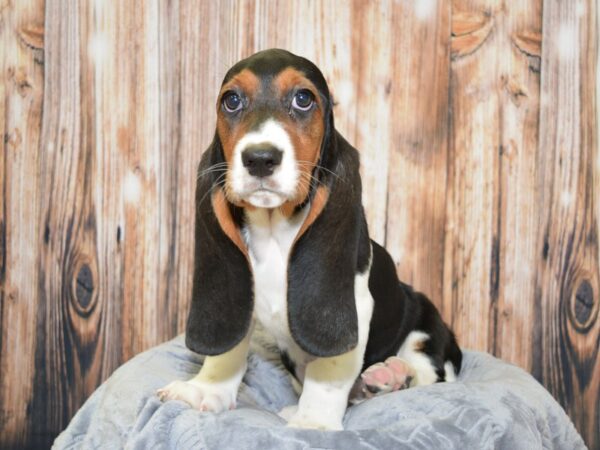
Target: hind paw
(380, 378)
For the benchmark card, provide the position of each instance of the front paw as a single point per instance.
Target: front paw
(215, 397)
(314, 421)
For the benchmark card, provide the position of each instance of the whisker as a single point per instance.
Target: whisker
(211, 172)
(311, 177)
(215, 184)
(214, 168)
(220, 164)
(313, 182)
(317, 166)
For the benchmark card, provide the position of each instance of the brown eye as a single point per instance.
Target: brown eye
(303, 100)
(232, 102)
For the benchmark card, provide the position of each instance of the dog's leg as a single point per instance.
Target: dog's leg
(325, 394)
(328, 381)
(216, 385)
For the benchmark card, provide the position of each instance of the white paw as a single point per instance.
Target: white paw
(215, 397)
(315, 422)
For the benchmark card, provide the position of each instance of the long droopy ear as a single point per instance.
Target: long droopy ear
(222, 294)
(332, 248)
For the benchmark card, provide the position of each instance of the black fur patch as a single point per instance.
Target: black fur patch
(325, 260)
(399, 310)
(222, 299)
(389, 321)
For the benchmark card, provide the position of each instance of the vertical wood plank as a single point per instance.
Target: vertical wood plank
(568, 185)
(202, 46)
(505, 253)
(21, 108)
(472, 173)
(175, 214)
(70, 310)
(156, 184)
(143, 180)
(514, 250)
(373, 35)
(108, 53)
(490, 243)
(416, 187)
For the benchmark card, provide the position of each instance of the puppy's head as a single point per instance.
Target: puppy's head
(273, 120)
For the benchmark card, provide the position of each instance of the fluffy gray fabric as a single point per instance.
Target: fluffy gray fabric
(493, 405)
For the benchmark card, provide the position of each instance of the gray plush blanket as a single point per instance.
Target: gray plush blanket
(493, 405)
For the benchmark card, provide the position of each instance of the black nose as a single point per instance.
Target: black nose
(261, 160)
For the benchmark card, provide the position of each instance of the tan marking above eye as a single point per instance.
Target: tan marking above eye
(245, 81)
(291, 78)
(248, 84)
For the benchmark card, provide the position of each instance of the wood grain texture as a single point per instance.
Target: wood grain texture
(477, 124)
(490, 243)
(22, 94)
(471, 187)
(71, 339)
(419, 108)
(567, 285)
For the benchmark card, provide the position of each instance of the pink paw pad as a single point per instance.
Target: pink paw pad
(392, 375)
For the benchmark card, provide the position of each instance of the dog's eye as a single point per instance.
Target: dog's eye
(232, 102)
(303, 100)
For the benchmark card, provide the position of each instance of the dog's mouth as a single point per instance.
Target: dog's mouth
(264, 193)
(260, 192)
(266, 198)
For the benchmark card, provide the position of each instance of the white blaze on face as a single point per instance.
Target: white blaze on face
(271, 191)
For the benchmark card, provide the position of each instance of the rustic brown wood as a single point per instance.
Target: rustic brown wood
(490, 250)
(477, 125)
(469, 31)
(22, 94)
(70, 330)
(416, 185)
(567, 282)
(471, 222)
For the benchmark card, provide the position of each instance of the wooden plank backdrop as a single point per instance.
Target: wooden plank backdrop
(477, 122)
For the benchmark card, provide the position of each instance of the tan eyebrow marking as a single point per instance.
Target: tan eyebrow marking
(290, 77)
(245, 80)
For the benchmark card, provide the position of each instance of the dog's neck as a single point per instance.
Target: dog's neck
(263, 225)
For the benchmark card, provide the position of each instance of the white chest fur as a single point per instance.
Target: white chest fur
(270, 236)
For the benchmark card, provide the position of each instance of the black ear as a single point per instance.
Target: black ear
(327, 256)
(222, 299)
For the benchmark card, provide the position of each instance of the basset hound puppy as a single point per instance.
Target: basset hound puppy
(281, 238)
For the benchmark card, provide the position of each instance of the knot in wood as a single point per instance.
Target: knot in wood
(85, 286)
(584, 305)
